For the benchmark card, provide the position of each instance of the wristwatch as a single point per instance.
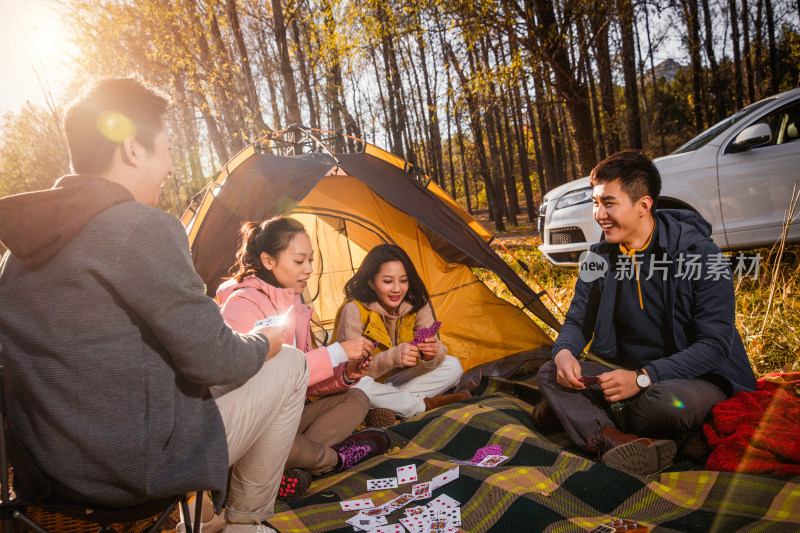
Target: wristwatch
(642, 379)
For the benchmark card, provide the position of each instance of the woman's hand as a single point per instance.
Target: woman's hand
(409, 355)
(355, 369)
(428, 349)
(357, 349)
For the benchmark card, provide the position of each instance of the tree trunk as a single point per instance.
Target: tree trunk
(464, 169)
(737, 56)
(435, 133)
(522, 153)
(573, 91)
(690, 15)
(250, 87)
(552, 173)
(720, 107)
(773, 58)
(657, 115)
(599, 25)
(748, 62)
(495, 211)
(305, 77)
(634, 121)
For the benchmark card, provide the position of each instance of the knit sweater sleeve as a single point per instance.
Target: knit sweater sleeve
(351, 327)
(156, 278)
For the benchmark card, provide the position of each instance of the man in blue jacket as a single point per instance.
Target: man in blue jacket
(655, 298)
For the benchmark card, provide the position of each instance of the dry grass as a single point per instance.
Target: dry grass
(774, 350)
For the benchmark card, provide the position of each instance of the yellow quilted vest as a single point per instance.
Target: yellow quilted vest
(375, 329)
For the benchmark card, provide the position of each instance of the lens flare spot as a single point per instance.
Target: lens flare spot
(676, 402)
(115, 126)
(285, 205)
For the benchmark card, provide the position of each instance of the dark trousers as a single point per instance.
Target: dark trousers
(663, 410)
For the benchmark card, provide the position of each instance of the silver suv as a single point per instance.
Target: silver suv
(738, 174)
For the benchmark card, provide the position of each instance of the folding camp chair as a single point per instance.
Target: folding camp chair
(32, 489)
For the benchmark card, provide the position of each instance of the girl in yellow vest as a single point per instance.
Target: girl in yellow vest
(387, 302)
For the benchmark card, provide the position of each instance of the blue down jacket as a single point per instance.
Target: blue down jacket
(700, 311)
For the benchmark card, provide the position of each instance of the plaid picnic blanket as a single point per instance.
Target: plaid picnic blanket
(543, 486)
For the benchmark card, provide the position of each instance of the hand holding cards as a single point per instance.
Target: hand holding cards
(423, 334)
(273, 320)
(589, 380)
(272, 327)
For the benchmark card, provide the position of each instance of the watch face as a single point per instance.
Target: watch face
(643, 380)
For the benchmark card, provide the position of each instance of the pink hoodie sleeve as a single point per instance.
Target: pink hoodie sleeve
(240, 312)
(334, 382)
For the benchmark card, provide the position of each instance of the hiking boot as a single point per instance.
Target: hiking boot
(630, 453)
(544, 417)
(446, 399)
(360, 446)
(380, 418)
(294, 484)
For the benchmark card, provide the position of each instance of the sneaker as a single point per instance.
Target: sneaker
(294, 484)
(380, 418)
(544, 418)
(446, 399)
(630, 453)
(360, 446)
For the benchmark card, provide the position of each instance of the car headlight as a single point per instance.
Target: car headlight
(581, 196)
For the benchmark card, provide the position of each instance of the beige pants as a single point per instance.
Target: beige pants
(261, 418)
(324, 423)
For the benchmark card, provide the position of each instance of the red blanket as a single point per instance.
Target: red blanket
(759, 431)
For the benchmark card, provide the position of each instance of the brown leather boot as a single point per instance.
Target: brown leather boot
(630, 453)
(545, 418)
(380, 417)
(445, 399)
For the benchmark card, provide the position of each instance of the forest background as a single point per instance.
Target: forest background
(496, 100)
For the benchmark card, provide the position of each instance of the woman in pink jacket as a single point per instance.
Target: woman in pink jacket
(271, 272)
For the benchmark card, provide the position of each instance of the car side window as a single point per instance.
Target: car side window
(784, 123)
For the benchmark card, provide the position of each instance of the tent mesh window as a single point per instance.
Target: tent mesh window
(567, 236)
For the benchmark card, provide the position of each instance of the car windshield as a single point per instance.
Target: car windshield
(716, 129)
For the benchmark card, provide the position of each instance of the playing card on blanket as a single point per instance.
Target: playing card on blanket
(383, 483)
(406, 474)
(444, 479)
(421, 491)
(362, 521)
(378, 511)
(443, 502)
(414, 524)
(492, 460)
(416, 511)
(400, 501)
(353, 505)
(391, 528)
(453, 515)
(436, 526)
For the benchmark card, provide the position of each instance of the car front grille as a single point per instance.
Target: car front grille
(566, 236)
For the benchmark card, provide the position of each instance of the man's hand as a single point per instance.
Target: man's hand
(357, 349)
(618, 385)
(569, 370)
(408, 354)
(274, 335)
(428, 349)
(356, 369)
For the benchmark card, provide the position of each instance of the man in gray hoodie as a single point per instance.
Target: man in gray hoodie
(110, 344)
